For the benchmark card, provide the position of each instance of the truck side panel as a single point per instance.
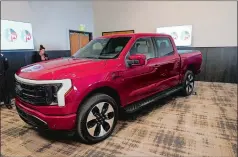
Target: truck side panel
(191, 61)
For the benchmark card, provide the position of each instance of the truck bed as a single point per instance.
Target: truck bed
(187, 51)
(191, 58)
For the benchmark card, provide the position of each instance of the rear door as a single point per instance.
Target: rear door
(167, 62)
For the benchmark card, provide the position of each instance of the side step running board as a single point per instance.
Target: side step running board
(138, 105)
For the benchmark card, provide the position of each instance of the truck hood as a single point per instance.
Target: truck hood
(59, 68)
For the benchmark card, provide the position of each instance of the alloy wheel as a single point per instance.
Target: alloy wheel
(100, 119)
(189, 83)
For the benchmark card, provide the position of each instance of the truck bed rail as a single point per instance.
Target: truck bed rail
(186, 51)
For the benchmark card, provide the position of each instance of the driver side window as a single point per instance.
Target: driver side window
(143, 46)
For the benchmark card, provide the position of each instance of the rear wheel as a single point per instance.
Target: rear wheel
(97, 118)
(188, 84)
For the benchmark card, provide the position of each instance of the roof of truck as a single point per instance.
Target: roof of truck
(134, 35)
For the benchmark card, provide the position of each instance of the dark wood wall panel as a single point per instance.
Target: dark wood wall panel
(18, 59)
(219, 64)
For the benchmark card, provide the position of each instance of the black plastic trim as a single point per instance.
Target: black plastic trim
(32, 120)
(142, 103)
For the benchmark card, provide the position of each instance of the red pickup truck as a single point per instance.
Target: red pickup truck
(85, 92)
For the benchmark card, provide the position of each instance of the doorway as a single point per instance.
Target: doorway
(78, 39)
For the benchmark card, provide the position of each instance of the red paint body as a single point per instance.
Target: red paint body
(131, 83)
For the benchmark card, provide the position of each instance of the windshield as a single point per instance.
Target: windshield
(103, 48)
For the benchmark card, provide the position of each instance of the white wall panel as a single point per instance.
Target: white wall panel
(214, 22)
(51, 20)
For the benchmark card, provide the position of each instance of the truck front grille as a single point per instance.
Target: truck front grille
(33, 94)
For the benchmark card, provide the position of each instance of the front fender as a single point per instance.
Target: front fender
(83, 87)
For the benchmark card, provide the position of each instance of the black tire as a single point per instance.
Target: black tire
(188, 83)
(91, 108)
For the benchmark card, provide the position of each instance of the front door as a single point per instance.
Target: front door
(139, 81)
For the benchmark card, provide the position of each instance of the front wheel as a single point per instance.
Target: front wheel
(97, 118)
(188, 83)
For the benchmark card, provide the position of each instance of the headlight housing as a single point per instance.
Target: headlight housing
(51, 93)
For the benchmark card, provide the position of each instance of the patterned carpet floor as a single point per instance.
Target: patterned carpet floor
(203, 124)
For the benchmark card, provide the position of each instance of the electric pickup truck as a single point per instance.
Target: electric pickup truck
(86, 91)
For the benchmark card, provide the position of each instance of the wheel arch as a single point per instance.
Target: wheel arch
(192, 68)
(104, 90)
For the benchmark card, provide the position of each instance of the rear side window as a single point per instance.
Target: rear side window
(164, 46)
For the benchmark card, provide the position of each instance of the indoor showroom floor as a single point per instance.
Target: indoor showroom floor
(204, 124)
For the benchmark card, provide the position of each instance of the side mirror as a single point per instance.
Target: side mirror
(136, 60)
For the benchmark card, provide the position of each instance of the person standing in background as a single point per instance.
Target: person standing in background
(4, 94)
(42, 56)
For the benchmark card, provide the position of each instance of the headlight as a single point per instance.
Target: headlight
(51, 93)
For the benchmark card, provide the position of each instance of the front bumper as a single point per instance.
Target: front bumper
(37, 119)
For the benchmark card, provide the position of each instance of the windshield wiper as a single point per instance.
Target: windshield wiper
(90, 57)
(104, 57)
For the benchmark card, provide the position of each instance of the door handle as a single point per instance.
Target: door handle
(156, 66)
(170, 62)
